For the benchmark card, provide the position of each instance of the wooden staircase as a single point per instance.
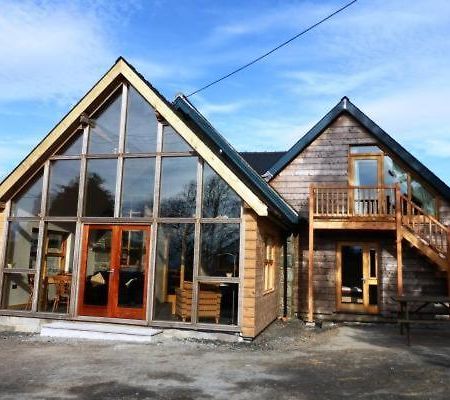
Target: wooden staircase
(425, 233)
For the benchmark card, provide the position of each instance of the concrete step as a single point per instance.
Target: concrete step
(99, 331)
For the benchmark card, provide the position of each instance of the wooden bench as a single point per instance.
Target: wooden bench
(208, 302)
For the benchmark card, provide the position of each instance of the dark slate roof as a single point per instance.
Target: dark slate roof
(261, 161)
(217, 143)
(346, 106)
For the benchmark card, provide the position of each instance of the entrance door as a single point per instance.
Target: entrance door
(114, 271)
(357, 277)
(367, 178)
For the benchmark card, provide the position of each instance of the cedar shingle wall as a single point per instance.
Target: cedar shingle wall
(259, 308)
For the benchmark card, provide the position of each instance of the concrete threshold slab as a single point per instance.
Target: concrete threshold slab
(99, 331)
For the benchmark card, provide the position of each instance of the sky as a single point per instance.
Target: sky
(391, 58)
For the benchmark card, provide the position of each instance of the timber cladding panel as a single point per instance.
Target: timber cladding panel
(324, 161)
(259, 309)
(419, 275)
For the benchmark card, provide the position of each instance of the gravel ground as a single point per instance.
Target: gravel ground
(287, 361)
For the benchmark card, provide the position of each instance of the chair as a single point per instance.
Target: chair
(62, 290)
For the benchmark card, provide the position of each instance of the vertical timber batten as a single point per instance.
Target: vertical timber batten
(311, 256)
(399, 238)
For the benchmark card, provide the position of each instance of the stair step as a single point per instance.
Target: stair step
(99, 331)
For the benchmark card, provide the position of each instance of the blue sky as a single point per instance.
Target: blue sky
(392, 58)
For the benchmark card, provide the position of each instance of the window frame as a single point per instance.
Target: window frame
(269, 265)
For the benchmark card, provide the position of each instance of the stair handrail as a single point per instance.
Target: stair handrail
(440, 231)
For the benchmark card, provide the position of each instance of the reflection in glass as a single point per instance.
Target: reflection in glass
(219, 250)
(57, 265)
(137, 187)
(422, 197)
(365, 149)
(173, 275)
(21, 250)
(63, 188)
(394, 174)
(142, 125)
(100, 188)
(98, 266)
(219, 199)
(173, 142)
(178, 186)
(218, 303)
(73, 146)
(104, 131)
(17, 293)
(352, 274)
(28, 202)
(366, 174)
(133, 261)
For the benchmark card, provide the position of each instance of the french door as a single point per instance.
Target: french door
(357, 277)
(114, 271)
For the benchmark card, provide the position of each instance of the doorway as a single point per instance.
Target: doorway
(114, 271)
(357, 277)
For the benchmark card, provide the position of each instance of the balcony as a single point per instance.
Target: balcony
(353, 207)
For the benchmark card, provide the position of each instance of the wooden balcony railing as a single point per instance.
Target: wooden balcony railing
(353, 201)
(424, 225)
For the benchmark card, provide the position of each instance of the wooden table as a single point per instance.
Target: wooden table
(404, 315)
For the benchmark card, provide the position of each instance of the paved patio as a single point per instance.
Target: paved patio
(286, 362)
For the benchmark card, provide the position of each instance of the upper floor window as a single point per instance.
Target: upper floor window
(365, 149)
(28, 202)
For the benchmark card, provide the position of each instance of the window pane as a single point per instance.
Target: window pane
(73, 146)
(219, 250)
(173, 142)
(142, 125)
(178, 186)
(57, 265)
(22, 245)
(137, 187)
(63, 188)
(28, 202)
(219, 200)
(17, 291)
(422, 197)
(100, 188)
(364, 149)
(104, 132)
(394, 174)
(218, 303)
(173, 277)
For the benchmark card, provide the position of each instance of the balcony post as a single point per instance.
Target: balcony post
(310, 318)
(399, 238)
(448, 261)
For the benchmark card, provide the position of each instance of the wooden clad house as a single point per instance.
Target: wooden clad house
(135, 210)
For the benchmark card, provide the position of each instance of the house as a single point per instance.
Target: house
(135, 210)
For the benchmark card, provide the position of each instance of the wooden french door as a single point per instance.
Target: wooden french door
(114, 271)
(357, 277)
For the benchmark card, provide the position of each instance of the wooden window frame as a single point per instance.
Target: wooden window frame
(269, 266)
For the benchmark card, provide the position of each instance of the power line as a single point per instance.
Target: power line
(273, 50)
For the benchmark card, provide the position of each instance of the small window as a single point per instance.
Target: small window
(269, 266)
(365, 149)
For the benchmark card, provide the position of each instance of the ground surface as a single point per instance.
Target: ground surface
(285, 362)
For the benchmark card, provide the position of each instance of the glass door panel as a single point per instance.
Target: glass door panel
(132, 272)
(95, 279)
(352, 275)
